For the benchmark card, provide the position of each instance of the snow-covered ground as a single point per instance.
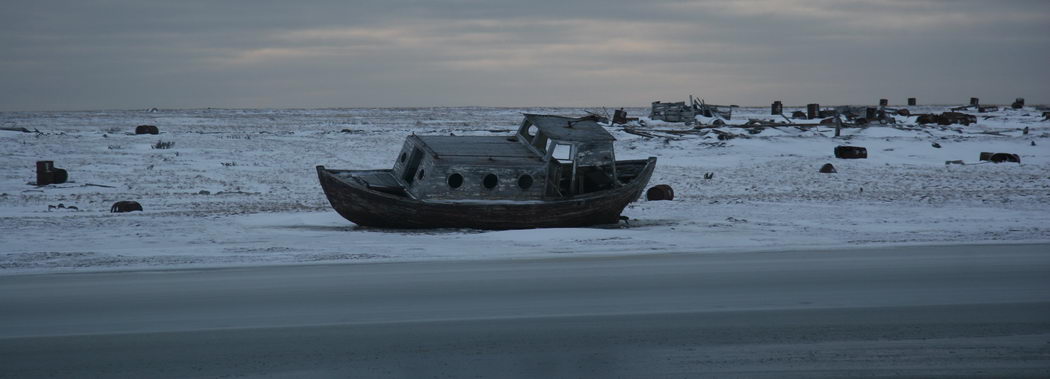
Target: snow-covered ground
(239, 188)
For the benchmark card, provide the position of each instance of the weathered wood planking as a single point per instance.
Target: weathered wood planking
(555, 171)
(356, 203)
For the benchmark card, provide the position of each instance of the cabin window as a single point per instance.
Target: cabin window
(413, 164)
(525, 181)
(490, 181)
(562, 152)
(403, 157)
(539, 141)
(420, 174)
(455, 180)
(531, 132)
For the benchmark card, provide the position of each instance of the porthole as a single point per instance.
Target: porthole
(525, 181)
(403, 157)
(420, 174)
(490, 181)
(455, 180)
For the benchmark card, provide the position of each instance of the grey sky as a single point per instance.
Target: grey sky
(124, 54)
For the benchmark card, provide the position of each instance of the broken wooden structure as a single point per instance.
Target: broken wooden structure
(672, 112)
(976, 104)
(853, 115)
(712, 110)
(554, 172)
(687, 111)
(946, 118)
(620, 117)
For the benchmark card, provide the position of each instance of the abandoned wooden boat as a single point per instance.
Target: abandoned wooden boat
(554, 172)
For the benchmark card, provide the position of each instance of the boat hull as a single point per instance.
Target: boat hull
(364, 206)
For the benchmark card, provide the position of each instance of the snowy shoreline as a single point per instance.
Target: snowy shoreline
(238, 188)
(481, 259)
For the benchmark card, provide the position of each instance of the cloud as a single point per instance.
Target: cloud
(126, 54)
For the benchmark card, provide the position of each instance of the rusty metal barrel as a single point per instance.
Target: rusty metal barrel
(43, 172)
(146, 129)
(619, 117)
(850, 152)
(125, 206)
(46, 173)
(1000, 157)
(812, 111)
(660, 192)
(777, 108)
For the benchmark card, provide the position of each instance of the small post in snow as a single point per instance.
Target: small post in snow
(838, 123)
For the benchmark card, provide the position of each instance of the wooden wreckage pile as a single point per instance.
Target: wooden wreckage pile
(706, 119)
(682, 112)
(709, 119)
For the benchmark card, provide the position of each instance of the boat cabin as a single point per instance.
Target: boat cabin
(548, 157)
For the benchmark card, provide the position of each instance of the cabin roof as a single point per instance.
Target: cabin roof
(482, 149)
(582, 129)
